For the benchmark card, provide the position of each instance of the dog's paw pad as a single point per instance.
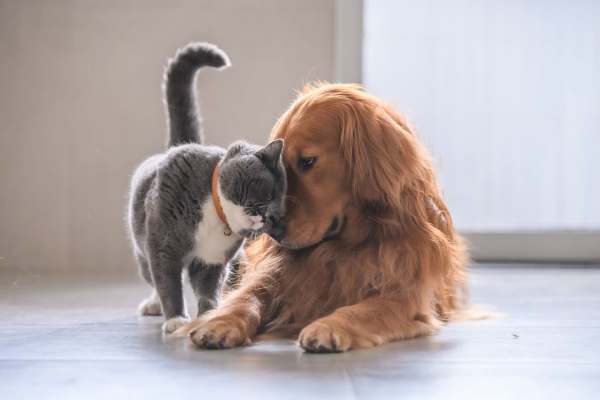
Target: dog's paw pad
(321, 337)
(218, 335)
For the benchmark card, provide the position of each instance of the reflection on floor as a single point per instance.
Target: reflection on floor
(79, 338)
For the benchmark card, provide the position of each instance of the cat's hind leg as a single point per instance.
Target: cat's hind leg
(150, 306)
(207, 282)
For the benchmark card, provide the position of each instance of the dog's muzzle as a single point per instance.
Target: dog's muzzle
(336, 227)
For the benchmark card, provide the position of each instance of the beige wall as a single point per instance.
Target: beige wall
(80, 106)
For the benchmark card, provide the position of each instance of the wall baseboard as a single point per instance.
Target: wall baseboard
(553, 246)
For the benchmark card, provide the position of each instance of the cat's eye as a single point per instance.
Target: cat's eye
(306, 163)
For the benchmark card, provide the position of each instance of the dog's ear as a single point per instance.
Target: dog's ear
(380, 152)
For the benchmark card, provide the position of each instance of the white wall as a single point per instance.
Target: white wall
(80, 106)
(507, 96)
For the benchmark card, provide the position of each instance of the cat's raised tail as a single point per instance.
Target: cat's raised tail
(184, 121)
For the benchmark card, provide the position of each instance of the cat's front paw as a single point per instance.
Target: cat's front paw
(172, 324)
(220, 333)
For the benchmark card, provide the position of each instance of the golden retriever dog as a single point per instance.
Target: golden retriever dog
(368, 253)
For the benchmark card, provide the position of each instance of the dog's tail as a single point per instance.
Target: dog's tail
(475, 312)
(179, 90)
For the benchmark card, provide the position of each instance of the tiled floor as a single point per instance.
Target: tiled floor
(79, 338)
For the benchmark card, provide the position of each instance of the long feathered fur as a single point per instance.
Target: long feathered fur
(411, 246)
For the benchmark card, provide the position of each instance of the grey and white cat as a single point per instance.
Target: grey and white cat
(176, 221)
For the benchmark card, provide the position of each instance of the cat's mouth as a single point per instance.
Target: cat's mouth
(256, 222)
(254, 226)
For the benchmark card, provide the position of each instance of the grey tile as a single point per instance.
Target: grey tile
(79, 337)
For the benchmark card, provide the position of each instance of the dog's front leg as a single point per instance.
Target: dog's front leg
(370, 323)
(233, 324)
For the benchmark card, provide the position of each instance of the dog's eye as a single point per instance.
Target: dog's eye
(306, 163)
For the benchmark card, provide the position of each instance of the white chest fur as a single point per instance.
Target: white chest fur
(212, 244)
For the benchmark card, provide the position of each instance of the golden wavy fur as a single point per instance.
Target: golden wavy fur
(370, 253)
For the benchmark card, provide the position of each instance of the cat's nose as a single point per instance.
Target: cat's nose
(272, 220)
(276, 227)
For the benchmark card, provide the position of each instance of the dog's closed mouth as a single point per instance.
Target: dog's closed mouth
(335, 228)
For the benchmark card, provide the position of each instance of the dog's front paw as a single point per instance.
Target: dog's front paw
(323, 336)
(222, 332)
(172, 324)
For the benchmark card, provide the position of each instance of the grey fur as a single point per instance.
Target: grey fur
(170, 191)
(179, 82)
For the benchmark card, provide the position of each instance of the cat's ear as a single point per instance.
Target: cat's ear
(271, 153)
(237, 148)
